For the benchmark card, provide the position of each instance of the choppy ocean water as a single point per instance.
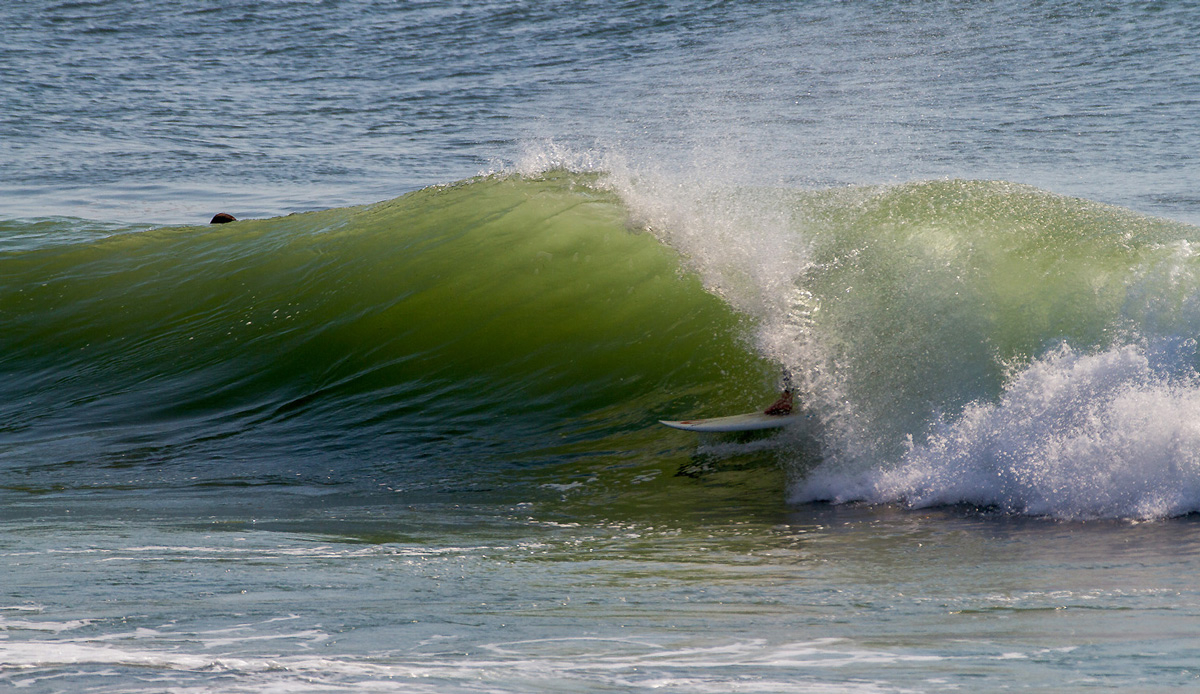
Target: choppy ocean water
(395, 429)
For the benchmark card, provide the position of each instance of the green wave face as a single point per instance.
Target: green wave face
(500, 316)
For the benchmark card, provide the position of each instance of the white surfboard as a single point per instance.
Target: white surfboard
(753, 421)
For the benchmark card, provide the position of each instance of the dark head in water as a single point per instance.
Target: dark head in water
(223, 218)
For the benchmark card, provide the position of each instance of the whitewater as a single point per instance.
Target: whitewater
(1040, 351)
(396, 427)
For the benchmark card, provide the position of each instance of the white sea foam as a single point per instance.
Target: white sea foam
(1114, 434)
(9, 624)
(574, 664)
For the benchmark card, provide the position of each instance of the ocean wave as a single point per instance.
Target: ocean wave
(932, 330)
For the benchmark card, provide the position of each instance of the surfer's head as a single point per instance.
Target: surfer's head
(223, 218)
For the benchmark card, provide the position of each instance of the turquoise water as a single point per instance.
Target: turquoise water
(396, 429)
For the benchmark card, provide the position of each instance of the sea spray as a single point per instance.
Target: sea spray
(922, 323)
(990, 339)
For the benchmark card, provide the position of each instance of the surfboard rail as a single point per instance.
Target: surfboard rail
(751, 421)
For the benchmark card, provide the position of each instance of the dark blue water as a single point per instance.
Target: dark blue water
(146, 111)
(346, 487)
